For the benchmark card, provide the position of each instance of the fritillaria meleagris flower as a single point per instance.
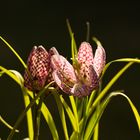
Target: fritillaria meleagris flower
(84, 77)
(38, 68)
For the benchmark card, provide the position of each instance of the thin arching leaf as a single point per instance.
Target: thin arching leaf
(70, 114)
(73, 44)
(103, 92)
(16, 54)
(25, 111)
(62, 115)
(135, 60)
(10, 74)
(26, 102)
(7, 124)
(94, 120)
(48, 118)
(108, 86)
(74, 108)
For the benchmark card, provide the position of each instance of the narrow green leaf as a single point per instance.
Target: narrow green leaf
(70, 114)
(62, 115)
(49, 119)
(10, 74)
(73, 46)
(108, 86)
(90, 101)
(16, 54)
(19, 79)
(80, 107)
(135, 112)
(93, 121)
(135, 60)
(96, 132)
(96, 41)
(1, 73)
(29, 115)
(6, 124)
(25, 111)
(74, 136)
(90, 126)
(74, 108)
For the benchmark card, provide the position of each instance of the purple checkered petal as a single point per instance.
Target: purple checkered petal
(85, 59)
(58, 78)
(85, 54)
(38, 68)
(99, 60)
(85, 87)
(59, 63)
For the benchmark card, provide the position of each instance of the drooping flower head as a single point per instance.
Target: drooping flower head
(79, 80)
(38, 67)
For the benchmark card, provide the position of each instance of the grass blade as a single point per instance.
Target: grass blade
(16, 54)
(70, 114)
(49, 119)
(26, 102)
(6, 124)
(25, 111)
(74, 108)
(10, 74)
(135, 112)
(29, 116)
(135, 60)
(94, 120)
(73, 44)
(62, 115)
(108, 86)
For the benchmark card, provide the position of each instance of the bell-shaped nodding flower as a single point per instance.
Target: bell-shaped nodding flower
(38, 68)
(84, 77)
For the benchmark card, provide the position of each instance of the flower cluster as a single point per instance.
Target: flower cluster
(78, 80)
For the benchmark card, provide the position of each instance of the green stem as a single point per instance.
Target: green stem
(62, 115)
(104, 91)
(26, 109)
(88, 32)
(96, 130)
(29, 115)
(37, 118)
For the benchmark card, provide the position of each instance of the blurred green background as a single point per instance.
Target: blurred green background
(26, 23)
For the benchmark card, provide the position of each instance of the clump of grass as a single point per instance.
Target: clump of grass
(84, 113)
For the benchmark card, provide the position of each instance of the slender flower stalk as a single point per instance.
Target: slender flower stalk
(79, 80)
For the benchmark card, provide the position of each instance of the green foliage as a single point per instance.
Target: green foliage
(83, 114)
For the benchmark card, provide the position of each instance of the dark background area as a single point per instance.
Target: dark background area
(26, 23)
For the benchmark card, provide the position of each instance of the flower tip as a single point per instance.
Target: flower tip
(53, 51)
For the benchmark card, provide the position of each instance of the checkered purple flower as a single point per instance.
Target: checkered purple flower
(84, 77)
(38, 69)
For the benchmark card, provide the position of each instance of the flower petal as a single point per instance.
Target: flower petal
(38, 68)
(85, 58)
(99, 59)
(58, 78)
(84, 88)
(60, 64)
(53, 51)
(85, 53)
